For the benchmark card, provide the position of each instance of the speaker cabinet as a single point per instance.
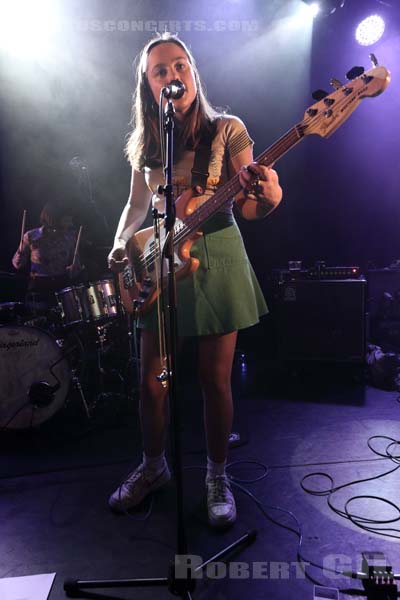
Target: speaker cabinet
(322, 320)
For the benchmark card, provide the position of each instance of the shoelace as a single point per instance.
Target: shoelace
(134, 477)
(140, 472)
(219, 488)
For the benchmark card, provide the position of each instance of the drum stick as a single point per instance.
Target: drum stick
(78, 240)
(23, 228)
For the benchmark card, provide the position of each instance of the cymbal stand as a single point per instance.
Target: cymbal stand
(75, 377)
(78, 386)
(100, 341)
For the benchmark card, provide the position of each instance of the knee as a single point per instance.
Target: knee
(152, 391)
(215, 383)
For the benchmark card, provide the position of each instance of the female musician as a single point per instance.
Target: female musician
(222, 295)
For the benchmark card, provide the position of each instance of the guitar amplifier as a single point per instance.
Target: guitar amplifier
(321, 320)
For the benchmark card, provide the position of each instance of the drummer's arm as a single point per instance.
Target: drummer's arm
(22, 255)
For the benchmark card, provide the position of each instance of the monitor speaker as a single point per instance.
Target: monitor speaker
(321, 320)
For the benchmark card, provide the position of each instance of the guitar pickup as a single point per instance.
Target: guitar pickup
(127, 278)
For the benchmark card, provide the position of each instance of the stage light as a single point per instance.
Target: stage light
(314, 9)
(27, 27)
(303, 15)
(325, 7)
(370, 30)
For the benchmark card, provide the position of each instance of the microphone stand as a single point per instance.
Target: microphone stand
(171, 323)
(181, 580)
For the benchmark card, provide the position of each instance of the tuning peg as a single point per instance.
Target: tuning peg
(373, 59)
(335, 83)
(319, 94)
(355, 72)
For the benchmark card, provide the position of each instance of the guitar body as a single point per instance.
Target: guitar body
(138, 282)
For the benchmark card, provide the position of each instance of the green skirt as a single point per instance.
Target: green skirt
(223, 295)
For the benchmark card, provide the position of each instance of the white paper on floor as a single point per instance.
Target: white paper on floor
(31, 587)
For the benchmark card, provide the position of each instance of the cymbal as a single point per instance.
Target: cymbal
(10, 305)
(7, 274)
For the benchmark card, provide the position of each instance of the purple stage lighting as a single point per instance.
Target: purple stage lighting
(370, 30)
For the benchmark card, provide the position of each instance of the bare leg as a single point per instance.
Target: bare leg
(216, 354)
(153, 472)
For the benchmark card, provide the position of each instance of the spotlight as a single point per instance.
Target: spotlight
(370, 30)
(314, 9)
(27, 27)
(325, 7)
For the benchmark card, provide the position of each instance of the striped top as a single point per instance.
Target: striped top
(231, 138)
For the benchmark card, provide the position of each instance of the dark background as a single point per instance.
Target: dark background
(341, 196)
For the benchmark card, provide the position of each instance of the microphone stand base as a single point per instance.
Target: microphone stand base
(182, 586)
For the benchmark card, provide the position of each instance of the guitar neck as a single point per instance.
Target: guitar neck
(226, 192)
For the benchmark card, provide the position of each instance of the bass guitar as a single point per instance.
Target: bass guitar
(139, 280)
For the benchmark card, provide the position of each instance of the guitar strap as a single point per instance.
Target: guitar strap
(201, 161)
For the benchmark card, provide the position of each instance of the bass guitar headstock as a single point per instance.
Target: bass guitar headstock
(331, 110)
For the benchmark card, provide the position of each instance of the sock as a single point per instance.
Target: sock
(215, 469)
(155, 464)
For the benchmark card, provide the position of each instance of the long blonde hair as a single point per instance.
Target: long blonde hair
(143, 146)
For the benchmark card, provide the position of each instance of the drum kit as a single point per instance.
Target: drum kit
(45, 353)
(95, 303)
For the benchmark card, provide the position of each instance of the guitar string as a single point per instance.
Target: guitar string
(225, 192)
(186, 227)
(200, 215)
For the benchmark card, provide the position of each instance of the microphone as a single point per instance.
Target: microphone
(41, 393)
(175, 89)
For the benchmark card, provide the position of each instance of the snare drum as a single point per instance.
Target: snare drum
(74, 304)
(30, 356)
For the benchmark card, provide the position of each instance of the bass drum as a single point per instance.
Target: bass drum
(29, 355)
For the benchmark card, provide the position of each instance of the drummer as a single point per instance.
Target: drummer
(50, 253)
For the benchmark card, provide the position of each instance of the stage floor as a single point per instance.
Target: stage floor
(291, 422)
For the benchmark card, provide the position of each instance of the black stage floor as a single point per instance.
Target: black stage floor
(291, 422)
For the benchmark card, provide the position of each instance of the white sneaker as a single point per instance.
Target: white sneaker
(139, 484)
(220, 501)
